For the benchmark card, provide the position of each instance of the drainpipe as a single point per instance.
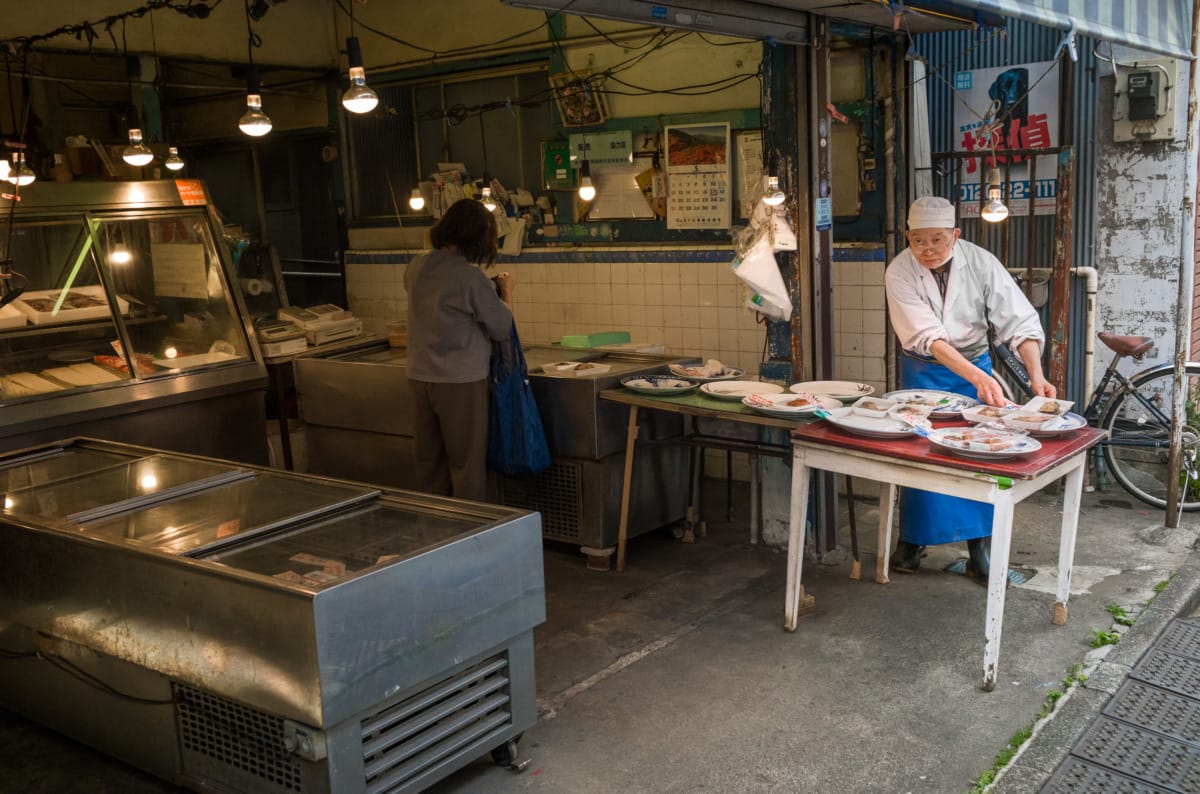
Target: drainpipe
(1089, 345)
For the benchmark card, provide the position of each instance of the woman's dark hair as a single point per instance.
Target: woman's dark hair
(470, 228)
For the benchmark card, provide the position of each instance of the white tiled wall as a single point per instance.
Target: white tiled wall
(861, 335)
(693, 308)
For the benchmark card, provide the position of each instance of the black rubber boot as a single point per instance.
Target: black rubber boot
(907, 557)
(980, 564)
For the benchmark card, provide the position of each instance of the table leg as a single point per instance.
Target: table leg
(754, 500)
(285, 437)
(794, 599)
(887, 508)
(997, 583)
(623, 529)
(1072, 489)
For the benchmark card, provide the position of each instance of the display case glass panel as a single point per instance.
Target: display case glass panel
(181, 311)
(57, 322)
(139, 478)
(339, 547)
(235, 508)
(43, 469)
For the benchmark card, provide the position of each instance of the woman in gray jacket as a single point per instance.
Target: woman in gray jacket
(454, 314)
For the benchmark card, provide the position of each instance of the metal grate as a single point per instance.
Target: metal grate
(406, 739)
(1167, 713)
(555, 493)
(1176, 673)
(226, 741)
(1141, 754)
(1148, 735)
(1080, 777)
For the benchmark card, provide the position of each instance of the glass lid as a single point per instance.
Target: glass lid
(44, 468)
(137, 479)
(203, 518)
(339, 547)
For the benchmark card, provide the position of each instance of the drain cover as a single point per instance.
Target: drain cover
(1148, 737)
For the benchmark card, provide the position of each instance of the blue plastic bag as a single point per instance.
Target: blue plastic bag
(516, 441)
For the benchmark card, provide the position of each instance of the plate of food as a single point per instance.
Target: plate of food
(735, 390)
(844, 390)
(1043, 425)
(943, 404)
(658, 385)
(789, 406)
(982, 443)
(870, 426)
(709, 372)
(873, 406)
(576, 368)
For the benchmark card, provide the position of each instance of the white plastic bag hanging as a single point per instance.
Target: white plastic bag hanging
(774, 221)
(757, 267)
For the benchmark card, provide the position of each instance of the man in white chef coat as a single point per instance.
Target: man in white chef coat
(942, 293)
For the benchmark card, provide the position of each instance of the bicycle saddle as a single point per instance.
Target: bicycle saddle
(1127, 345)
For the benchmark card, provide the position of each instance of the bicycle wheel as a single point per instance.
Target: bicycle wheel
(1139, 436)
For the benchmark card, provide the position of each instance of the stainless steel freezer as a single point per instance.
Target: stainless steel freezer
(357, 415)
(234, 628)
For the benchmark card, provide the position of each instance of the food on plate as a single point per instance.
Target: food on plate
(991, 410)
(979, 440)
(710, 369)
(1035, 420)
(873, 405)
(583, 365)
(799, 402)
(1050, 408)
(910, 409)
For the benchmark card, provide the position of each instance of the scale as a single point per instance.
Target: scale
(323, 323)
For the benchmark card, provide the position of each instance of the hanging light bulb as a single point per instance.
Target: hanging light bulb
(416, 200)
(137, 153)
(254, 122)
(489, 203)
(587, 190)
(20, 174)
(359, 98)
(173, 161)
(774, 196)
(120, 255)
(995, 210)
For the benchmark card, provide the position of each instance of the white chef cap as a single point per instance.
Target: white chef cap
(931, 212)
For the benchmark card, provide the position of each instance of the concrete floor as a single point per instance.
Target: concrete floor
(676, 676)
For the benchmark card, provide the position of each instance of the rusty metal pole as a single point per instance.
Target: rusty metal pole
(1060, 277)
(1187, 263)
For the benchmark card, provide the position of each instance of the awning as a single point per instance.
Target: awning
(1161, 26)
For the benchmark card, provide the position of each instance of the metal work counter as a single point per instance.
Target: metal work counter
(255, 630)
(914, 463)
(357, 414)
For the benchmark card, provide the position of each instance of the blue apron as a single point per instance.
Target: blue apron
(927, 519)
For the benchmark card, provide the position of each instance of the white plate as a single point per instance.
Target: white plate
(658, 385)
(844, 390)
(735, 390)
(948, 405)
(847, 420)
(977, 415)
(579, 369)
(776, 405)
(729, 374)
(1018, 444)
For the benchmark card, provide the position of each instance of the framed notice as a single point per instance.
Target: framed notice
(698, 181)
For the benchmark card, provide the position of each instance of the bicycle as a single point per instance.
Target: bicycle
(1137, 417)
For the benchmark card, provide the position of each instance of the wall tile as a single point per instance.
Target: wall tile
(873, 298)
(874, 323)
(689, 295)
(653, 273)
(620, 273)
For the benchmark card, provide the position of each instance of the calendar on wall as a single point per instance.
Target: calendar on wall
(698, 181)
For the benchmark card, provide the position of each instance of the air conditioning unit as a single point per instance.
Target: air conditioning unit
(726, 17)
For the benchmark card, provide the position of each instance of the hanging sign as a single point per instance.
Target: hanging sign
(698, 183)
(1007, 107)
(602, 148)
(557, 172)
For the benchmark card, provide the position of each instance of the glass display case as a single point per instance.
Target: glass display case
(294, 633)
(116, 298)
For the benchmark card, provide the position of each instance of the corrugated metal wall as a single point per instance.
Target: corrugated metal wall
(1024, 42)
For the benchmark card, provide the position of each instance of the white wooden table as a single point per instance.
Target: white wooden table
(911, 463)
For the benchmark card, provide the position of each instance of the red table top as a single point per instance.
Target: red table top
(920, 450)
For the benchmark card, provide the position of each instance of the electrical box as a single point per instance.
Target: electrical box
(1144, 101)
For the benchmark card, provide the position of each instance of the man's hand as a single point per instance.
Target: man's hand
(989, 391)
(1043, 388)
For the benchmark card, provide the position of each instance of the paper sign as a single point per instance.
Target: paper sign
(823, 210)
(602, 148)
(191, 192)
(180, 270)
